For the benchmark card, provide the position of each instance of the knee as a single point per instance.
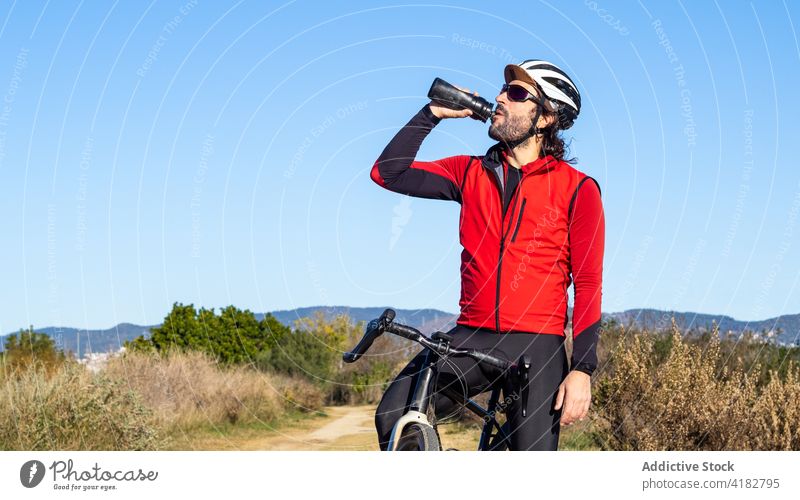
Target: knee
(392, 406)
(395, 401)
(385, 418)
(536, 436)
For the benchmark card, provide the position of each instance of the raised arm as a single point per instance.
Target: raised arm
(397, 171)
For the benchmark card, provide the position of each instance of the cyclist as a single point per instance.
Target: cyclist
(530, 225)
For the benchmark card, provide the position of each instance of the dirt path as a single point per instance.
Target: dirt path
(342, 428)
(350, 428)
(347, 421)
(347, 428)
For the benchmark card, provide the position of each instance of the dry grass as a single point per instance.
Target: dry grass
(686, 402)
(71, 409)
(139, 400)
(190, 389)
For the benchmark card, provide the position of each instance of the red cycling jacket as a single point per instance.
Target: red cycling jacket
(526, 233)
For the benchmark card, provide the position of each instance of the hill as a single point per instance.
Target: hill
(784, 329)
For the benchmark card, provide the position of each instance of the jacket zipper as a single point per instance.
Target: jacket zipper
(503, 235)
(519, 220)
(497, 292)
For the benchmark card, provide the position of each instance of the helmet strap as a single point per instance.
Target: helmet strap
(533, 131)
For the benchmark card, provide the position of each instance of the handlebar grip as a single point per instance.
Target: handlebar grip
(491, 361)
(374, 330)
(405, 331)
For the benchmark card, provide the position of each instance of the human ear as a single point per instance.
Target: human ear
(547, 119)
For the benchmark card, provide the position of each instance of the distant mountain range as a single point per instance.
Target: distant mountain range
(70, 339)
(783, 330)
(424, 320)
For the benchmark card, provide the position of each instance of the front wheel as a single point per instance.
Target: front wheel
(418, 437)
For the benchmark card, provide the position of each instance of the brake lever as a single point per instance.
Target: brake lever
(373, 332)
(375, 329)
(523, 374)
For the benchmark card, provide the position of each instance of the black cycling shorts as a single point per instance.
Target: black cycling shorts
(539, 430)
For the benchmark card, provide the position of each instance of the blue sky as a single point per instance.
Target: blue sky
(218, 153)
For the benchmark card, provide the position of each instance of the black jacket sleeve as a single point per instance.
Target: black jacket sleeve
(396, 169)
(587, 243)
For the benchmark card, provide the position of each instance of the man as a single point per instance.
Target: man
(530, 224)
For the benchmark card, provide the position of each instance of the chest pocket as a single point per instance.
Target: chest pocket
(549, 219)
(519, 220)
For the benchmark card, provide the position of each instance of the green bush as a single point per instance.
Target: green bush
(365, 381)
(301, 353)
(233, 337)
(314, 350)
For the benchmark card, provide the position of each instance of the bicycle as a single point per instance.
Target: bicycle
(413, 431)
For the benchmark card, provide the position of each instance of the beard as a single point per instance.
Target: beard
(511, 128)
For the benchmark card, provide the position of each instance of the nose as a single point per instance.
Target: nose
(502, 95)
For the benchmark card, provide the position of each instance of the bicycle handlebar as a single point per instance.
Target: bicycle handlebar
(377, 327)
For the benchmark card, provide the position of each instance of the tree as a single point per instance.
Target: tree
(235, 336)
(32, 348)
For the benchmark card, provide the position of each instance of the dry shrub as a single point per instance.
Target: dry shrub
(685, 403)
(72, 409)
(365, 381)
(192, 389)
(774, 422)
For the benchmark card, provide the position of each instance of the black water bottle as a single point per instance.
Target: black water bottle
(450, 97)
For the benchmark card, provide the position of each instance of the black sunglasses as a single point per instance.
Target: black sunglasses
(518, 93)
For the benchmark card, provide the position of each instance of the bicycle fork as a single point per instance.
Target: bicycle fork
(418, 409)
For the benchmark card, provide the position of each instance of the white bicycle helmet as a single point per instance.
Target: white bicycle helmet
(552, 82)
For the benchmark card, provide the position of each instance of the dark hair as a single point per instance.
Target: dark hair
(552, 142)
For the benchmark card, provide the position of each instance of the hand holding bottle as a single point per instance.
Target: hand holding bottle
(450, 101)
